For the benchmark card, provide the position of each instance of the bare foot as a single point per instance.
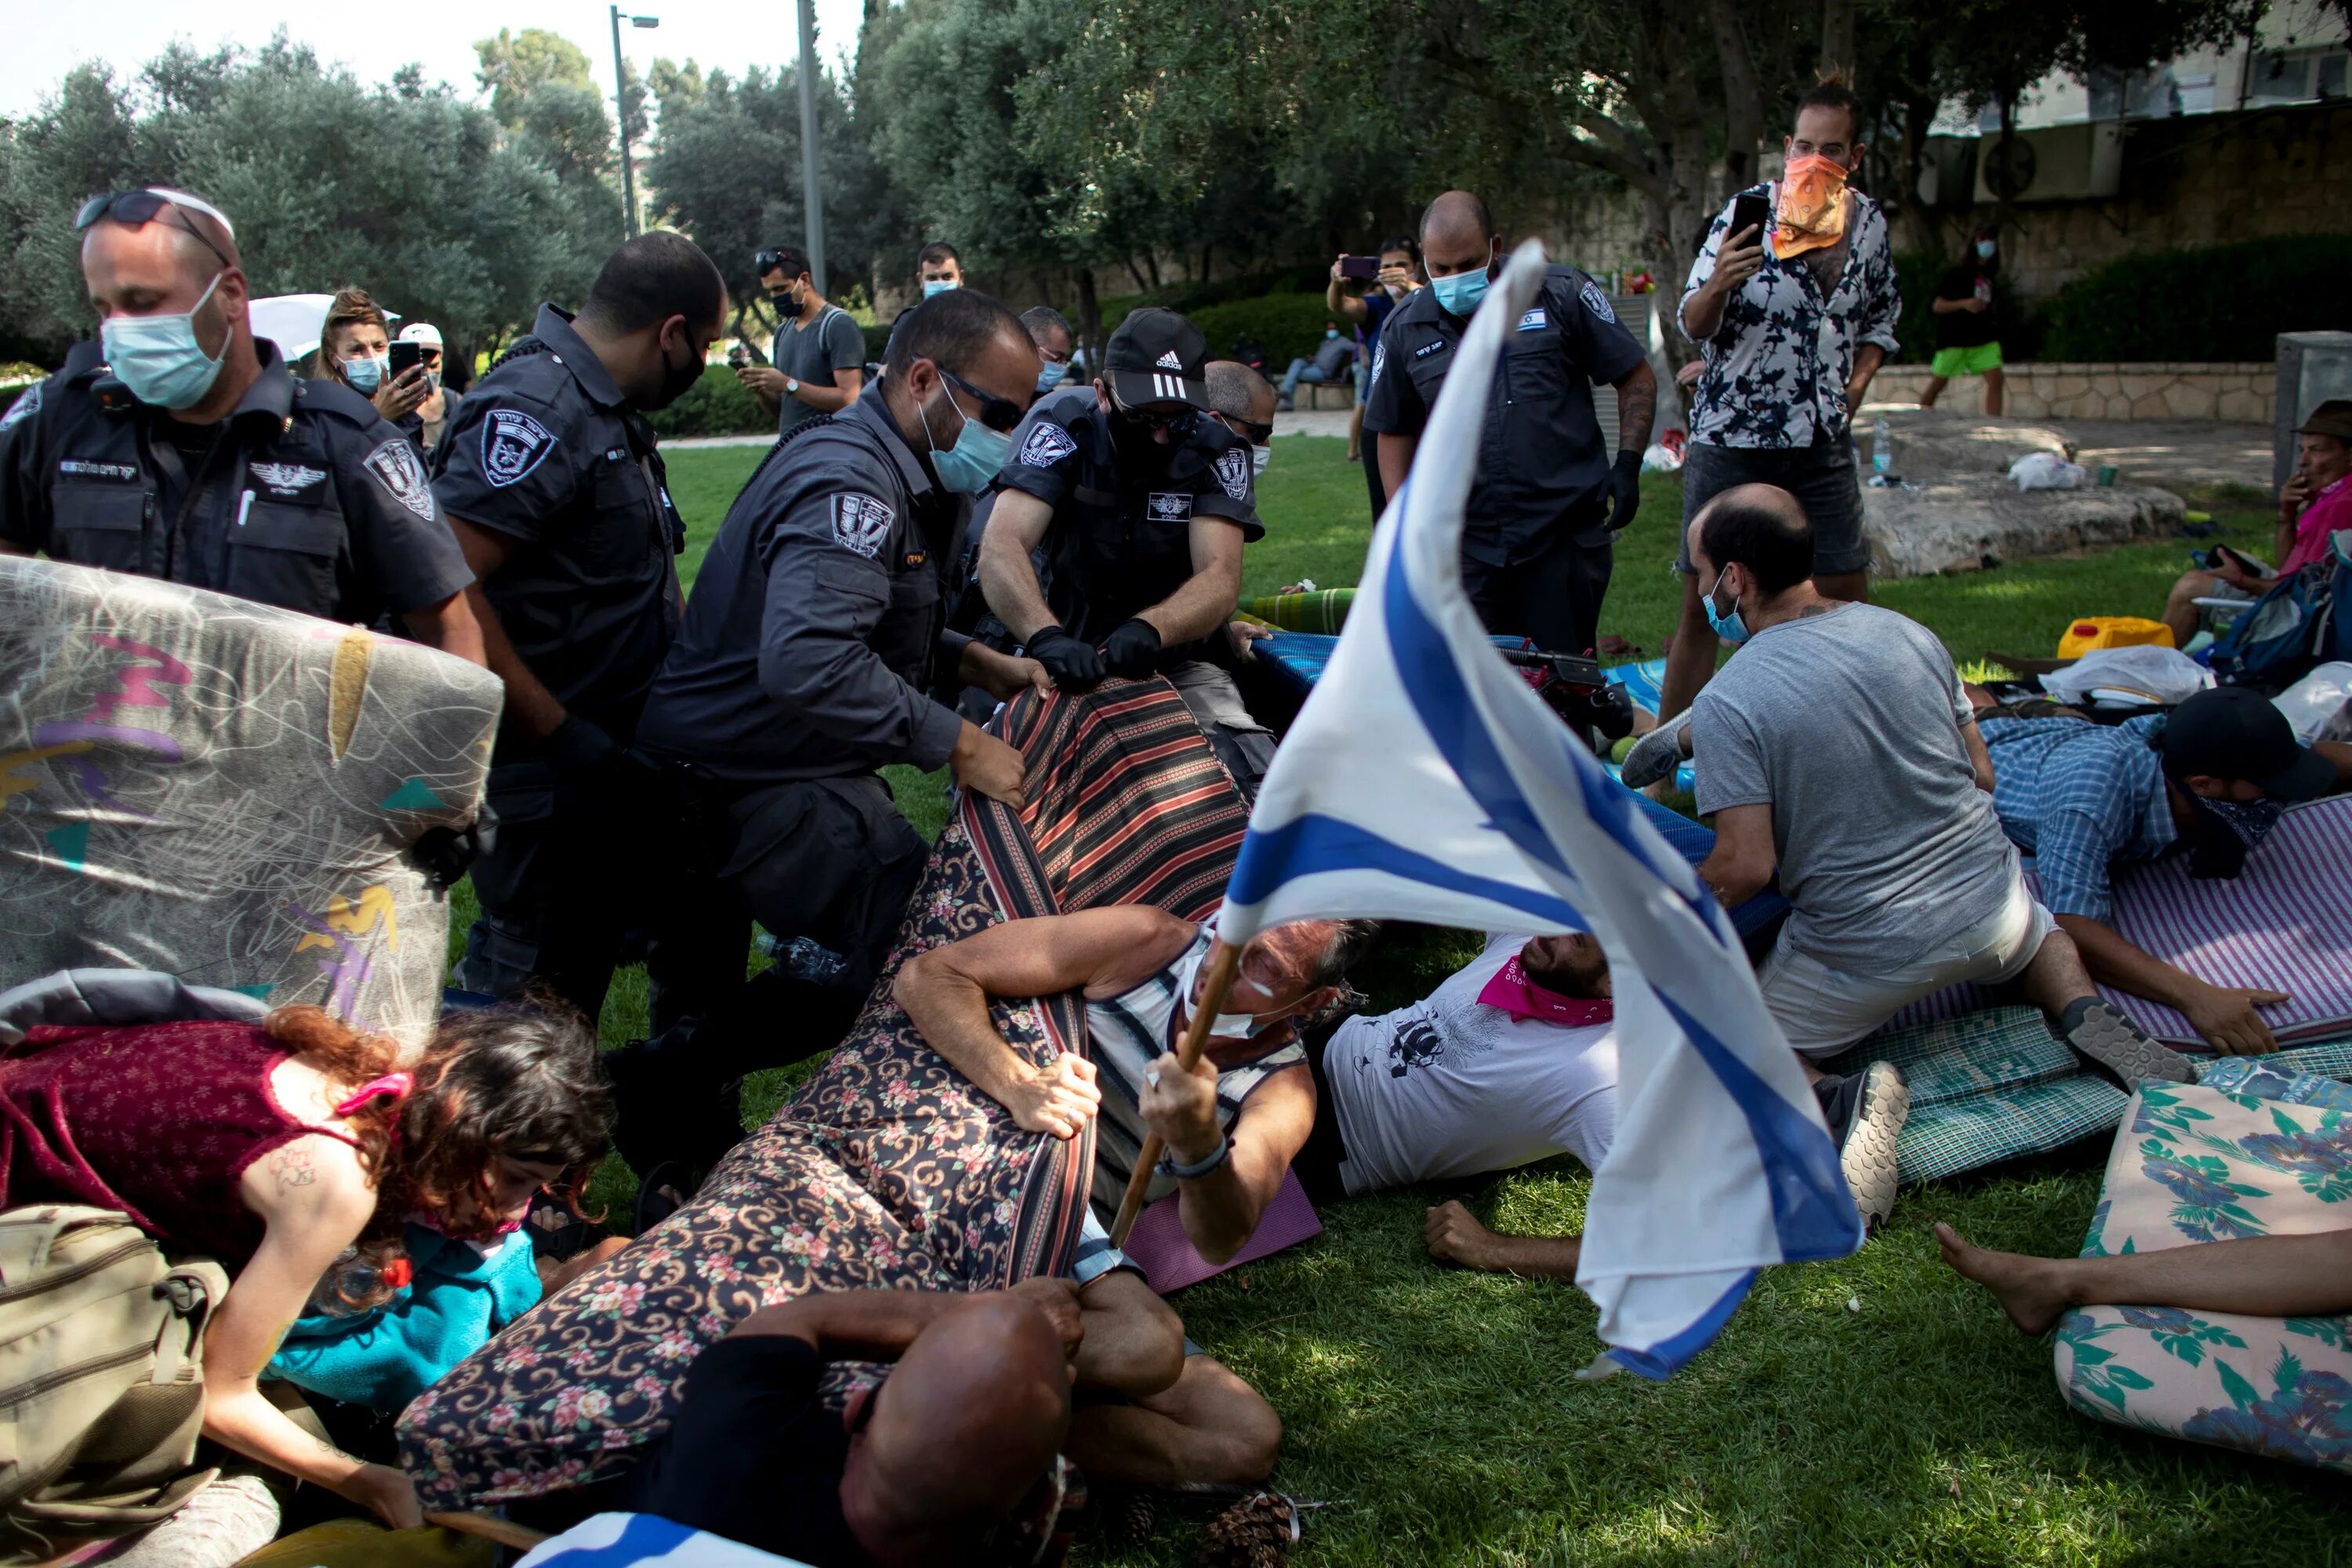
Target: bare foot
(554, 1273)
(2027, 1288)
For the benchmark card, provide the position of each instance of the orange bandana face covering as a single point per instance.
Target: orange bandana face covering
(1812, 206)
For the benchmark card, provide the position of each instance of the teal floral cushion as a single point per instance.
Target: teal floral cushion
(2196, 1163)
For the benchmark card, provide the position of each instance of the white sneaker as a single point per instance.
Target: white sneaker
(1657, 755)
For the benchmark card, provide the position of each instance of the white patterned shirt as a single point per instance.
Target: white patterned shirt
(1778, 364)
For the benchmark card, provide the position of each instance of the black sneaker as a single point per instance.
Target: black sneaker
(2114, 1045)
(1865, 1113)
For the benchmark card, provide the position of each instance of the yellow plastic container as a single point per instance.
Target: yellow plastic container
(2090, 632)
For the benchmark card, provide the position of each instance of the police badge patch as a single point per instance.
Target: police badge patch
(1170, 506)
(1047, 445)
(395, 464)
(860, 523)
(286, 479)
(1234, 471)
(1596, 301)
(23, 407)
(513, 443)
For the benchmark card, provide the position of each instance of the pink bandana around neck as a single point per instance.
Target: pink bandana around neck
(1522, 998)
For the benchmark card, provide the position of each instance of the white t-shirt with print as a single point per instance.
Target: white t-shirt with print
(1451, 1087)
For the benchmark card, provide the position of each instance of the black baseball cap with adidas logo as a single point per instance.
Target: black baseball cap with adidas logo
(1155, 359)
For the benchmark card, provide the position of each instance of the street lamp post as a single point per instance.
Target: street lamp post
(810, 189)
(621, 122)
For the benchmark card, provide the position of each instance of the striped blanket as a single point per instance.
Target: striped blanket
(887, 1168)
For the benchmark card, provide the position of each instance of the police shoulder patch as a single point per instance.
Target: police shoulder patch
(395, 466)
(1170, 506)
(1380, 358)
(860, 523)
(1232, 467)
(513, 443)
(23, 408)
(1047, 444)
(1596, 301)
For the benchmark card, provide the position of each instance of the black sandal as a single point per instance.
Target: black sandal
(667, 1188)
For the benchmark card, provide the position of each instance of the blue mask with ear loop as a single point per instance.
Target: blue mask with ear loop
(1049, 376)
(972, 465)
(1460, 293)
(158, 357)
(365, 373)
(1726, 625)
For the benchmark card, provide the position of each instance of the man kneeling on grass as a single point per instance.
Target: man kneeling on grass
(1231, 1127)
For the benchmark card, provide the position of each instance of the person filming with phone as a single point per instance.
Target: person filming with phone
(355, 349)
(438, 406)
(820, 354)
(1793, 303)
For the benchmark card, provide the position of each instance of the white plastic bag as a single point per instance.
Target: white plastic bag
(2319, 706)
(2045, 472)
(2142, 673)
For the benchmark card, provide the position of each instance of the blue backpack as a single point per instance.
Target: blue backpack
(2305, 619)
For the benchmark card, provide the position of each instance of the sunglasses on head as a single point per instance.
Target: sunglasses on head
(136, 209)
(999, 414)
(767, 261)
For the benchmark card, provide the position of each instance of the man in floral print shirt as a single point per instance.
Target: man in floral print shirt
(1792, 326)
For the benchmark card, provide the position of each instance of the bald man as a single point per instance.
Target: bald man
(1548, 499)
(180, 447)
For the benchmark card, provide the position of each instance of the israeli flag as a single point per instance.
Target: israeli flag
(1425, 781)
(645, 1540)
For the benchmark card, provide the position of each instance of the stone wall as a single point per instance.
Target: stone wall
(2237, 392)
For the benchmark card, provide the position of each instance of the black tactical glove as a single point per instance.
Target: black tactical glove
(587, 759)
(1073, 665)
(1132, 649)
(1624, 490)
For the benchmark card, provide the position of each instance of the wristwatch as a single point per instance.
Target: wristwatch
(791, 386)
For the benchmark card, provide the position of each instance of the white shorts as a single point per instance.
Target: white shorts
(1823, 1010)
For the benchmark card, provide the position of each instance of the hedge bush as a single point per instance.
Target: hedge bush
(718, 404)
(2220, 302)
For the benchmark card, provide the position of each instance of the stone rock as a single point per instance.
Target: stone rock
(1954, 524)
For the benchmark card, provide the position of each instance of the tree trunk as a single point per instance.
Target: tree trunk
(1142, 284)
(1837, 38)
(1090, 327)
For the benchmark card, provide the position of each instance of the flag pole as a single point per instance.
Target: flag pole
(1225, 964)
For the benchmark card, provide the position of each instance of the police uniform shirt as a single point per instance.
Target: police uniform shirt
(1542, 457)
(1120, 541)
(303, 497)
(545, 451)
(816, 618)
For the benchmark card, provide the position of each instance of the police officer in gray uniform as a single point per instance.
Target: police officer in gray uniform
(816, 628)
(1547, 502)
(1138, 504)
(550, 476)
(179, 446)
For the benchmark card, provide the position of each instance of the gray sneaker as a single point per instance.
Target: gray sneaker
(1656, 755)
(1865, 1111)
(2114, 1045)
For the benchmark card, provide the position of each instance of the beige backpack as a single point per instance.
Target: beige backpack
(101, 1376)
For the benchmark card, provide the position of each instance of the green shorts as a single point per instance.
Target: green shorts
(1950, 362)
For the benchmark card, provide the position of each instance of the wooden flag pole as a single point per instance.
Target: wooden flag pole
(1225, 964)
(489, 1527)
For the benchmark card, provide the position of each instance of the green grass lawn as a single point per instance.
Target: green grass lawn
(1876, 1410)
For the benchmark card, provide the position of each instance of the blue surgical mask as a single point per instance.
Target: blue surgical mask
(972, 465)
(158, 357)
(365, 373)
(1985, 248)
(938, 286)
(1726, 625)
(1049, 376)
(1460, 293)
(1330, 332)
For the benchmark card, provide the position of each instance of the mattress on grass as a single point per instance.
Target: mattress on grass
(225, 792)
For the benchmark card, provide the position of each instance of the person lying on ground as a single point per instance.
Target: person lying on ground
(292, 1151)
(1230, 1125)
(916, 1471)
(2211, 778)
(2313, 505)
(1839, 749)
(2259, 1276)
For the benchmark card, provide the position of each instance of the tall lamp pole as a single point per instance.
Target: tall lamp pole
(810, 189)
(621, 122)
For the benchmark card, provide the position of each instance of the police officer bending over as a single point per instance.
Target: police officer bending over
(549, 476)
(817, 626)
(1141, 505)
(1546, 502)
(180, 447)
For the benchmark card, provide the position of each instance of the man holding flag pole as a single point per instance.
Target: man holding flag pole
(1424, 780)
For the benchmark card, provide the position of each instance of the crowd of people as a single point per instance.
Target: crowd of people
(973, 519)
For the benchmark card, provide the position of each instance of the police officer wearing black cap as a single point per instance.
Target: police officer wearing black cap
(1140, 504)
(180, 447)
(1546, 501)
(550, 476)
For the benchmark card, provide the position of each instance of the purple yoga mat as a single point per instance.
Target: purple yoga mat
(1158, 1245)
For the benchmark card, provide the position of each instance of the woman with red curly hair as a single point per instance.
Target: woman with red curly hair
(293, 1150)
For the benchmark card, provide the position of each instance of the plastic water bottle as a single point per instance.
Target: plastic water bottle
(804, 959)
(1881, 449)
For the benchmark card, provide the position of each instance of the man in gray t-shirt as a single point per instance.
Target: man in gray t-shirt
(1839, 749)
(819, 352)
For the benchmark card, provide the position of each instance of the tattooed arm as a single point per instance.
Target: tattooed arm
(314, 1199)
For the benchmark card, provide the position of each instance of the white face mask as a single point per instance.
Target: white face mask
(1225, 1026)
(1259, 457)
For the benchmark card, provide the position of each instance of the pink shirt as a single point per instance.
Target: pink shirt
(2330, 511)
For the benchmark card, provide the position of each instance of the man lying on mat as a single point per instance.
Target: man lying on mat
(2211, 778)
(1231, 1127)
